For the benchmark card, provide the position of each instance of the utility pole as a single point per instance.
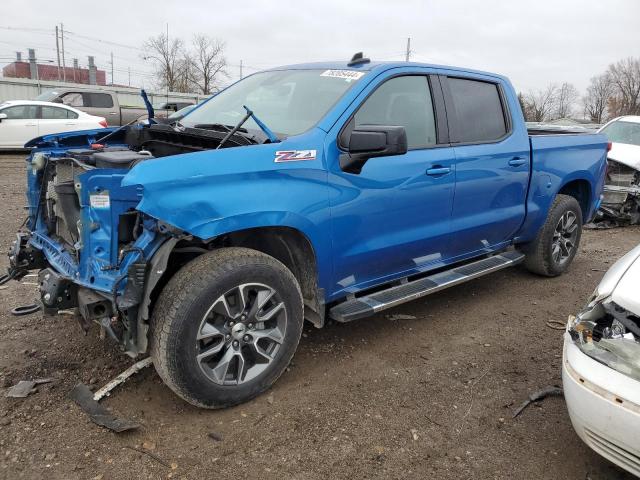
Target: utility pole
(111, 68)
(64, 66)
(129, 69)
(58, 52)
(168, 59)
(408, 48)
(240, 69)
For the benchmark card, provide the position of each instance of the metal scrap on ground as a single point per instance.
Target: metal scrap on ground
(88, 401)
(136, 367)
(99, 414)
(24, 388)
(539, 395)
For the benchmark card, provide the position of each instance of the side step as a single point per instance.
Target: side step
(361, 307)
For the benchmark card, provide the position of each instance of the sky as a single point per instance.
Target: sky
(532, 42)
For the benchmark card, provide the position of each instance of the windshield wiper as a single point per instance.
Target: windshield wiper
(270, 135)
(217, 126)
(273, 138)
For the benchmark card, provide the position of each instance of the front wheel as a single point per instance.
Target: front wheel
(556, 244)
(226, 326)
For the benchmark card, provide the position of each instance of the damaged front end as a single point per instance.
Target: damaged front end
(610, 334)
(608, 329)
(621, 200)
(94, 252)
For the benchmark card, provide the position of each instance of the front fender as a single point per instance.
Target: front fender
(208, 194)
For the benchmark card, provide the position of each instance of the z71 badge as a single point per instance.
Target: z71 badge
(294, 155)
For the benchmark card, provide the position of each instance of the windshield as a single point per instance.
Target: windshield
(47, 96)
(182, 112)
(289, 102)
(623, 132)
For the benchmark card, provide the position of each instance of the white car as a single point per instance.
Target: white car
(621, 201)
(601, 366)
(22, 120)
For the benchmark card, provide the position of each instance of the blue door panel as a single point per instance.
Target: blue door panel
(490, 194)
(392, 217)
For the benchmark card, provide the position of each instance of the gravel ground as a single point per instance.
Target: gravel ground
(424, 397)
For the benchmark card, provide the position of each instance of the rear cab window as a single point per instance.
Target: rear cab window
(479, 110)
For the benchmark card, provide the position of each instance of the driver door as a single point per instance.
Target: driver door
(393, 218)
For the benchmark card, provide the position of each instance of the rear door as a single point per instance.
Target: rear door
(20, 126)
(492, 165)
(57, 119)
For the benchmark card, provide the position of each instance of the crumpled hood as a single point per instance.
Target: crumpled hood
(198, 192)
(628, 263)
(626, 154)
(627, 291)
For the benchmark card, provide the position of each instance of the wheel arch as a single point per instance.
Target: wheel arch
(289, 245)
(295, 250)
(580, 189)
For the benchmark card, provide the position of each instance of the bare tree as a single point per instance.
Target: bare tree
(186, 74)
(597, 98)
(208, 62)
(566, 98)
(167, 57)
(541, 104)
(625, 76)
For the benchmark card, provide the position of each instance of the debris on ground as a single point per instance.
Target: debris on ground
(215, 436)
(556, 324)
(136, 367)
(400, 316)
(25, 309)
(173, 466)
(98, 413)
(552, 391)
(24, 388)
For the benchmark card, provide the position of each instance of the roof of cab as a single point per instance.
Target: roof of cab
(379, 67)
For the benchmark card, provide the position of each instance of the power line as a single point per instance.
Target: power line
(107, 42)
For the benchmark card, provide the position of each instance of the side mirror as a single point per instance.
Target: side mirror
(3, 116)
(369, 141)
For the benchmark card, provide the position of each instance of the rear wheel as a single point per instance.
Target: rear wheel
(226, 326)
(556, 244)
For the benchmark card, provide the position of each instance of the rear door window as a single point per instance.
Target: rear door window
(98, 100)
(402, 101)
(56, 113)
(479, 111)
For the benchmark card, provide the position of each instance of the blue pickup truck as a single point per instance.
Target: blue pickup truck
(308, 192)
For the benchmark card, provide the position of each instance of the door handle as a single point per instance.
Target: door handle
(437, 170)
(31, 125)
(517, 161)
(71, 123)
(113, 113)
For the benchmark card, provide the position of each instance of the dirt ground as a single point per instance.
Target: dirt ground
(430, 397)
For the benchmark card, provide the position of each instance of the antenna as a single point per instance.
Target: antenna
(358, 59)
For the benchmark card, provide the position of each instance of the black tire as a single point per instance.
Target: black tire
(540, 257)
(189, 304)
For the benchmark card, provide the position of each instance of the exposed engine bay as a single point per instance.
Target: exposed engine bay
(621, 201)
(84, 233)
